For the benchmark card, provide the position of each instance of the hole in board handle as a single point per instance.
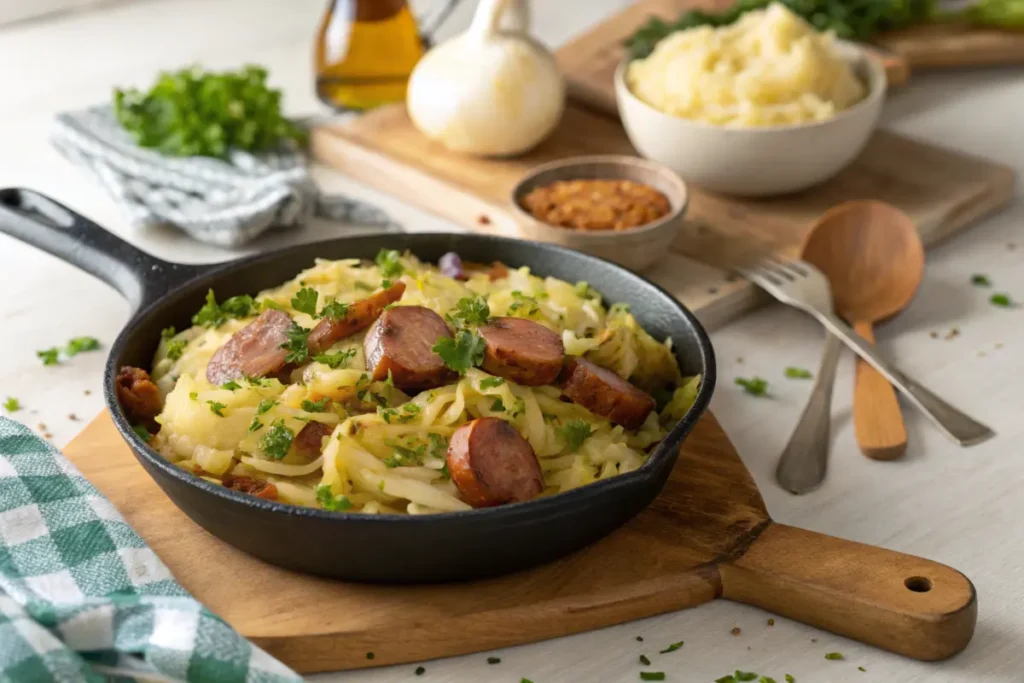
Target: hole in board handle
(918, 584)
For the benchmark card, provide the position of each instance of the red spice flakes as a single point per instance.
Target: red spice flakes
(482, 219)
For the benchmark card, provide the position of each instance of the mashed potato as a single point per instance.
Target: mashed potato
(770, 68)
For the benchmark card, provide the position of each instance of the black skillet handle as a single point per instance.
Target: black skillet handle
(38, 220)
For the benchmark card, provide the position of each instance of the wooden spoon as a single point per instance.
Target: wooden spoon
(873, 256)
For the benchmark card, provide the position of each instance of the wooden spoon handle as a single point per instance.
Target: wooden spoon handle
(905, 604)
(877, 417)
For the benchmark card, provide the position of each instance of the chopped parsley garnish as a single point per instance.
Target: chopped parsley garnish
(80, 344)
(861, 668)
(370, 655)
(461, 352)
(265, 406)
(523, 306)
(671, 648)
(278, 439)
(335, 310)
(1001, 300)
(518, 408)
(386, 284)
(168, 332)
(498, 406)
(363, 286)
(652, 675)
(766, 679)
(12, 405)
(329, 501)
(404, 456)
(582, 289)
(49, 356)
(176, 347)
(304, 301)
(238, 306)
(231, 386)
(834, 656)
(316, 406)
(214, 315)
(216, 408)
(491, 382)
(645, 660)
(336, 360)
(268, 305)
(438, 445)
(574, 433)
(389, 381)
(494, 660)
(754, 386)
(745, 676)
(142, 432)
(469, 311)
(420, 671)
(798, 373)
(401, 415)
(619, 308)
(255, 425)
(193, 395)
(390, 266)
(297, 348)
(981, 281)
(790, 679)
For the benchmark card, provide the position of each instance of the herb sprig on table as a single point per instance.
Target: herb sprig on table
(193, 112)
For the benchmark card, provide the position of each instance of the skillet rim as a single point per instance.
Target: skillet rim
(561, 503)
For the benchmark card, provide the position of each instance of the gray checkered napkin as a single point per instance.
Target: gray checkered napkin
(82, 598)
(226, 203)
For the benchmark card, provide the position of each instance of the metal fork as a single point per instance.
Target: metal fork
(801, 285)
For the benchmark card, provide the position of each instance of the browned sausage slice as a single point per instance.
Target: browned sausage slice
(603, 392)
(360, 315)
(492, 464)
(253, 351)
(402, 342)
(251, 485)
(522, 351)
(138, 397)
(309, 441)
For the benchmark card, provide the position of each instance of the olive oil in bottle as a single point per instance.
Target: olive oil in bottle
(365, 52)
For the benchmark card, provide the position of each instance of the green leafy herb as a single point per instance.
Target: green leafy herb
(461, 352)
(12, 405)
(525, 680)
(619, 308)
(259, 381)
(1001, 300)
(469, 311)
(231, 386)
(316, 406)
(582, 289)
(861, 668)
(385, 284)
(491, 382)
(981, 281)
(216, 408)
(574, 433)
(298, 350)
(834, 656)
(328, 501)
(420, 671)
(498, 405)
(238, 306)
(403, 456)
(336, 360)
(335, 310)
(278, 439)
(80, 344)
(523, 306)
(268, 305)
(193, 395)
(370, 655)
(49, 356)
(726, 679)
(304, 301)
(214, 315)
(671, 648)
(518, 408)
(494, 660)
(390, 266)
(255, 425)
(754, 386)
(652, 675)
(265, 406)
(766, 679)
(798, 373)
(192, 112)
(176, 347)
(168, 332)
(745, 676)
(142, 432)
(790, 679)
(645, 660)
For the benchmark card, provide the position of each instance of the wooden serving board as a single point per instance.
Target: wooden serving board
(943, 191)
(706, 536)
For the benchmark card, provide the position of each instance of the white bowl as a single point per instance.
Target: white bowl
(756, 162)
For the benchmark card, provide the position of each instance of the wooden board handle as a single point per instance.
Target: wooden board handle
(877, 416)
(905, 604)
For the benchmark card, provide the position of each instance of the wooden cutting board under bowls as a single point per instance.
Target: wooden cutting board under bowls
(706, 536)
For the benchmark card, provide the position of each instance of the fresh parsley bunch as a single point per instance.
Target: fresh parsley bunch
(193, 112)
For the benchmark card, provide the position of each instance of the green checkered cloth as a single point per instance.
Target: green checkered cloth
(82, 598)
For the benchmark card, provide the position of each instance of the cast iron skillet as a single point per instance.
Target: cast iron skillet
(401, 549)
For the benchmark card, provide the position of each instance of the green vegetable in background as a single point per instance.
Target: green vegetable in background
(193, 112)
(1001, 13)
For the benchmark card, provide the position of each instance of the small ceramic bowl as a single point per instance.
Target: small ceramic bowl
(756, 162)
(635, 248)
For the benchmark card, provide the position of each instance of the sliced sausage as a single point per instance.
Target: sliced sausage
(522, 351)
(401, 342)
(492, 464)
(361, 315)
(138, 396)
(603, 392)
(309, 442)
(253, 351)
(251, 485)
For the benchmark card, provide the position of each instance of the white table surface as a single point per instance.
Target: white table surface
(960, 507)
